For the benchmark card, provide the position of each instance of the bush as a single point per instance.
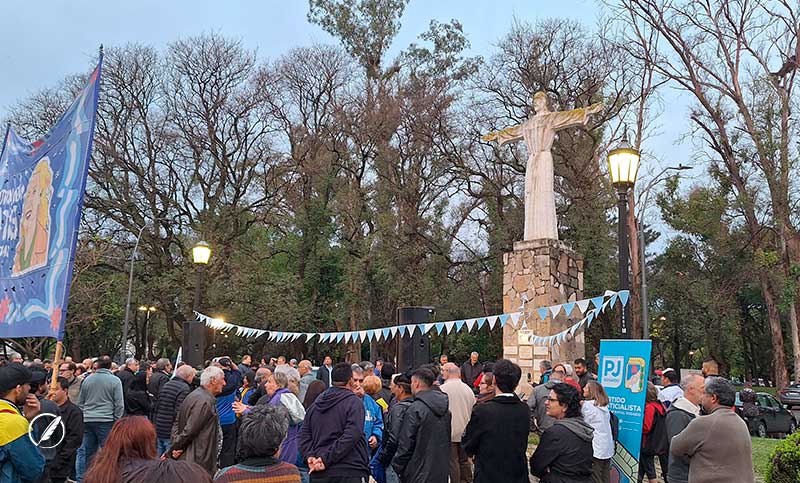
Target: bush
(785, 461)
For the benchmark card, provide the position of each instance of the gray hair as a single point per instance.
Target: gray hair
(688, 379)
(473, 354)
(186, 372)
(130, 360)
(209, 374)
(546, 364)
(722, 388)
(305, 363)
(162, 364)
(357, 369)
(281, 379)
(291, 372)
(262, 430)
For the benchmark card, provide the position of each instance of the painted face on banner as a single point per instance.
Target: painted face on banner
(34, 223)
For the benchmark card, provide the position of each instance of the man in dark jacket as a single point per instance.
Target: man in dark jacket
(497, 433)
(64, 462)
(39, 388)
(564, 454)
(325, 371)
(387, 371)
(679, 415)
(401, 390)
(196, 432)
(161, 375)
(423, 447)
(166, 409)
(332, 437)
(126, 374)
(470, 371)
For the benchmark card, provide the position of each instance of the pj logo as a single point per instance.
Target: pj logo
(613, 371)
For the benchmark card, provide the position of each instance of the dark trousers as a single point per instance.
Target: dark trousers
(227, 457)
(460, 468)
(601, 470)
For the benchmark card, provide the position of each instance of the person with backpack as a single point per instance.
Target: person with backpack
(594, 409)
(654, 436)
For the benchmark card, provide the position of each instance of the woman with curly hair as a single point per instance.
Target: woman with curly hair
(565, 450)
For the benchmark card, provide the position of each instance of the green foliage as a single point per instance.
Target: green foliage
(784, 462)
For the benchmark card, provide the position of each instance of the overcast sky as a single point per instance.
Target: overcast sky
(41, 42)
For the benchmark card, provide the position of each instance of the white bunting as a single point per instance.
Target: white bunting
(492, 320)
(554, 310)
(583, 305)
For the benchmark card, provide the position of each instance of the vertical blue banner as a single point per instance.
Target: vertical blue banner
(41, 199)
(623, 374)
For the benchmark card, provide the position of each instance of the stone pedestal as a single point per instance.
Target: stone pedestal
(550, 273)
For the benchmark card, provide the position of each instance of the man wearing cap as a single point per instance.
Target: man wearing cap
(20, 458)
(671, 389)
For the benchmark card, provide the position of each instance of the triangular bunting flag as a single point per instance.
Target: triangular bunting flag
(568, 308)
(542, 313)
(449, 326)
(470, 323)
(339, 336)
(393, 331)
(459, 325)
(612, 301)
(439, 327)
(504, 319)
(492, 321)
(623, 297)
(597, 301)
(385, 332)
(583, 305)
(554, 310)
(402, 330)
(480, 323)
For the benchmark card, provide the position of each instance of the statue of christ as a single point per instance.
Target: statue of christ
(538, 132)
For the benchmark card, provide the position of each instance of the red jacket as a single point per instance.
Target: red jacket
(649, 413)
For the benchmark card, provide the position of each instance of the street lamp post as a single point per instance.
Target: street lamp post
(643, 264)
(193, 334)
(148, 311)
(124, 350)
(623, 166)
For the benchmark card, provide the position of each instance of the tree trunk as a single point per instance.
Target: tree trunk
(778, 359)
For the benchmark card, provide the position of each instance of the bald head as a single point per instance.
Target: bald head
(451, 371)
(186, 372)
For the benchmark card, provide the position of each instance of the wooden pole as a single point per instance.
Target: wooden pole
(56, 366)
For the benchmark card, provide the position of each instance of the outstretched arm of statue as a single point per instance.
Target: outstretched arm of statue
(503, 136)
(575, 117)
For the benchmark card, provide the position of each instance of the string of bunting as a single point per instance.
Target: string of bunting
(598, 304)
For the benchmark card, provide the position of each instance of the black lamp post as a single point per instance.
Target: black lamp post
(194, 342)
(623, 166)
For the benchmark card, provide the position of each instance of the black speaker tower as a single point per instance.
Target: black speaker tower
(414, 349)
(194, 342)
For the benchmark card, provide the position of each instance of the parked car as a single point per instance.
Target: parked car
(773, 418)
(791, 395)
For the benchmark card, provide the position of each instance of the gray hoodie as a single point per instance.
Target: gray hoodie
(578, 426)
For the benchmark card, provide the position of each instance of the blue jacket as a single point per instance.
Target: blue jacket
(20, 460)
(373, 419)
(225, 399)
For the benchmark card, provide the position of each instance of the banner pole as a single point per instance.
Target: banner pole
(56, 366)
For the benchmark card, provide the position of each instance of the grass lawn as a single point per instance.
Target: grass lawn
(762, 449)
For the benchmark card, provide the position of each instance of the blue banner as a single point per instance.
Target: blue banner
(623, 374)
(41, 198)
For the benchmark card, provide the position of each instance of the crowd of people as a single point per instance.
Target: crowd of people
(278, 421)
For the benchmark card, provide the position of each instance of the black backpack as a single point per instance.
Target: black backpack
(614, 426)
(656, 442)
